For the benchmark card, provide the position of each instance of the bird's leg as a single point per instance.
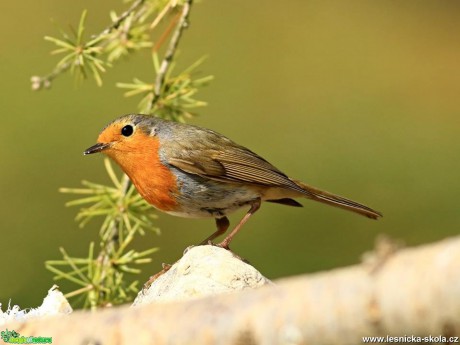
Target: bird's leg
(222, 226)
(254, 207)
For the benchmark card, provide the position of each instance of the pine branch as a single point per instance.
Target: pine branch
(100, 276)
(39, 82)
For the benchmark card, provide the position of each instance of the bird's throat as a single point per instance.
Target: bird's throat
(154, 182)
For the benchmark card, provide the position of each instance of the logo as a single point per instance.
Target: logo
(13, 337)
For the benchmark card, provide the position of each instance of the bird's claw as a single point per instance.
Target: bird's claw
(223, 245)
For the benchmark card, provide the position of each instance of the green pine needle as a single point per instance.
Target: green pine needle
(103, 275)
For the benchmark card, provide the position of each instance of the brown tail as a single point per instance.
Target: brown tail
(338, 201)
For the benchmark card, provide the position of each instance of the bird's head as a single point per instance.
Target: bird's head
(125, 137)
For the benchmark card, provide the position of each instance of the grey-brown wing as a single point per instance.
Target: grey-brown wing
(237, 165)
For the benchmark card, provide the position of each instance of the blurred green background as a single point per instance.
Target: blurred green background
(358, 97)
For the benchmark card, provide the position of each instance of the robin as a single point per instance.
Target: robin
(189, 171)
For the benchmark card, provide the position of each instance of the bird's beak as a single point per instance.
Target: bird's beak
(97, 148)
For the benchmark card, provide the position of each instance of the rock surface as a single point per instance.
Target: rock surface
(202, 271)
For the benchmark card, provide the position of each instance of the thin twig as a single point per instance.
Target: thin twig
(120, 19)
(45, 81)
(171, 50)
(112, 241)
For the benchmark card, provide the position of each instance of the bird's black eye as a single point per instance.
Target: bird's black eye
(127, 130)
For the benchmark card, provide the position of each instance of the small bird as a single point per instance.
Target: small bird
(189, 171)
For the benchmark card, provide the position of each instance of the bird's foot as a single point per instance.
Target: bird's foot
(224, 244)
(208, 243)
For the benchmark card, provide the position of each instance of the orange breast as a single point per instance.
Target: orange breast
(140, 160)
